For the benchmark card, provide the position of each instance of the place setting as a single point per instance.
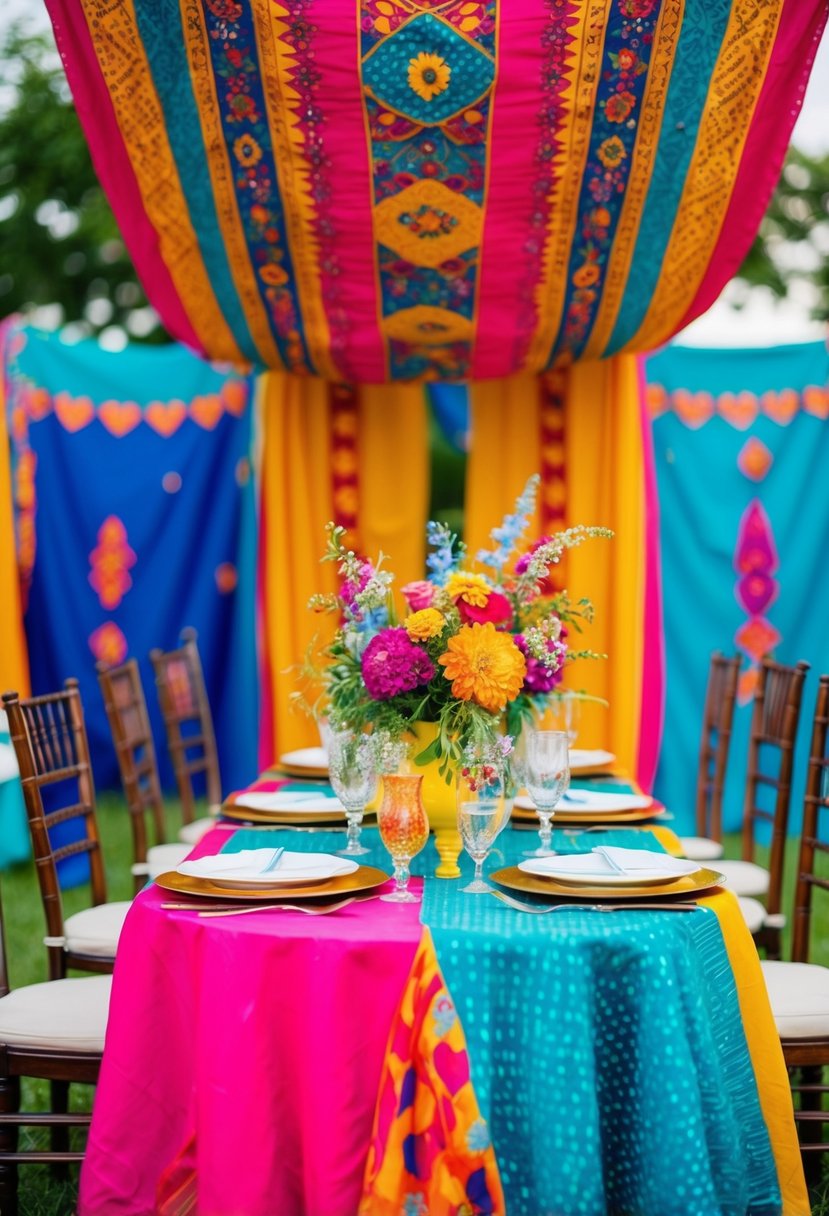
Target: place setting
(271, 875)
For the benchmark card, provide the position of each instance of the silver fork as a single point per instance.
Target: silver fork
(308, 909)
(539, 910)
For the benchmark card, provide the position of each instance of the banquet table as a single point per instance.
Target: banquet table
(449, 1056)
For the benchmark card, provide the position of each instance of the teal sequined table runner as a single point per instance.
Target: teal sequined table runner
(607, 1050)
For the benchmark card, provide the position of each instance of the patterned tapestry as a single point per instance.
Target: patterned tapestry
(374, 190)
(134, 506)
(741, 443)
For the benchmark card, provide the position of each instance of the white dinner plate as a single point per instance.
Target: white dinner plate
(591, 802)
(305, 762)
(590, 869)
(285, 800)
(584, 760)
(247, 868)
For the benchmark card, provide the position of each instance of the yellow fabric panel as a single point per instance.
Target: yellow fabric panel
(14, 658)
(393, 449)
(114, 33)
(604, 477)
(297, 504)
(604, 484)
(766, 1052)
(733, 92)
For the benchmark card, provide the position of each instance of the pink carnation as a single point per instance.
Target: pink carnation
(497, 609)
(419, 594)
(392, 664)
(540, 678)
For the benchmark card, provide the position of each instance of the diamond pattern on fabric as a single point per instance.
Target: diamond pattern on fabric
(427, 71)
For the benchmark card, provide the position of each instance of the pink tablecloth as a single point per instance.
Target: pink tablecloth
(255, 1043)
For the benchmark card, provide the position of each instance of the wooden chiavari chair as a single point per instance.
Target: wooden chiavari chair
(129, 723)
(717, 720)
(799, 990)
(189, 727)
(53, 1032)
(774, 724)
(50, 743)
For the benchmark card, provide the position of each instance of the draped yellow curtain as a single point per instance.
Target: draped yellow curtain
(297, 502)
(14, 659)
(604, 479)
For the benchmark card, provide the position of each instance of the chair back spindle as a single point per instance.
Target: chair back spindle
(813, 842)
(774, 724)
(188, 722)
(717, 721)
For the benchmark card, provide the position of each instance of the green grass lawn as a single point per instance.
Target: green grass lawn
(40, 1193)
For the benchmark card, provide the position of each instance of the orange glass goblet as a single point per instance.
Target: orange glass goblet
(404, 830)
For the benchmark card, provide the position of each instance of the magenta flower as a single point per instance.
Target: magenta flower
(524, 560)
(540, 678)
(349, 590)
(419, 594)
(392, 664)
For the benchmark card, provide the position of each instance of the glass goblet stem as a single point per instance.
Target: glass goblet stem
(545, 831)
(401, 893)
(353, 848)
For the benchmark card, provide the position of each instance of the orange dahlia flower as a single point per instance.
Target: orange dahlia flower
(484, 665)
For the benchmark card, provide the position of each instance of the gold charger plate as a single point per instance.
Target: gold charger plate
(364, 878)
(688, 884)
(249, 814)
(639, 815)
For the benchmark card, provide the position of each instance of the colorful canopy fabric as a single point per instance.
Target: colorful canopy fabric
(451, 189)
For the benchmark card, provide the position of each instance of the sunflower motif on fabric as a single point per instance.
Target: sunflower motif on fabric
(429, 75)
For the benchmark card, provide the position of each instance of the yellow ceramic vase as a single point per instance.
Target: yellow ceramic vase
(439, 801)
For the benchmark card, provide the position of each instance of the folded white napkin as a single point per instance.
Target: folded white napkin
(284, 800)
(251, 864)
(611, 859)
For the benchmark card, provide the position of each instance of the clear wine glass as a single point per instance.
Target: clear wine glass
(565, 714)
(352, 772)
(547, 776)
(483, 809)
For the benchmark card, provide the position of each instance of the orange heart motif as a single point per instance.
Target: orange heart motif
(235, 397)
(39, 403)
(165, 418)
(206, 411)
(692, 409)
(119, 417)
(816, 400)
(73, 413)
(781, 407)
(738, 409)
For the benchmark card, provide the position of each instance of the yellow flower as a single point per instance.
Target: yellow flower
(247, 151)
(484, 666)
(471, 588)
(427, 623)
(612, 152)
(428, 75)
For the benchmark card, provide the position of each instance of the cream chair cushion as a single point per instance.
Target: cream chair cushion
(744, 877)
(192, 833)
(700, 848)
(799, 996)
(70, 1015)
(96, 930)
(164, 857)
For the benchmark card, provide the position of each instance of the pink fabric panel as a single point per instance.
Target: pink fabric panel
(112, 165)
(778, 106)
(264, 1035)
(510, 198)
(653, 667)
(350, 293)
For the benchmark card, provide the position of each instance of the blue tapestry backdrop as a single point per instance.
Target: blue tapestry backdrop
(135, 516)
(742, 446)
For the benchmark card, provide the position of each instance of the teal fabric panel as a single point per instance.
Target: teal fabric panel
(14, 830)
(703, 496)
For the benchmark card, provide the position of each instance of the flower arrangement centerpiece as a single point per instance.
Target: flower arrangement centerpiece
(480, 649)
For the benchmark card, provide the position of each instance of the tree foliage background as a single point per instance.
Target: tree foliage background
(60, 245)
